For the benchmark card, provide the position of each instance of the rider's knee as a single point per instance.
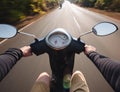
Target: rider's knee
(44, 78)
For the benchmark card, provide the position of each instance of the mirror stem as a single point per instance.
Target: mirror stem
(84, 34)
(28, 34)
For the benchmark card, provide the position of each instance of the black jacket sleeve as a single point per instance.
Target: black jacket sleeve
(8, 59)
(109, 69)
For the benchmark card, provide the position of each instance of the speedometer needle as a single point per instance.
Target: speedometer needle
(56, 42)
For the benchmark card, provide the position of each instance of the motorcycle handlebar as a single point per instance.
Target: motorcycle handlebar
(40, 47)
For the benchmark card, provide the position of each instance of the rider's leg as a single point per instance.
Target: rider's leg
(78, 83)
(42, 83)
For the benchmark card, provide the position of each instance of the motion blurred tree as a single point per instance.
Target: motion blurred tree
(111, 5)
(12, 11)
(92, 3)
(38, 6)
(115, 5)
(85, 3)
(52, 3)
(99, 4)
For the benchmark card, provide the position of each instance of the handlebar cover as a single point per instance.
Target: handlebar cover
(38, 47)
(78, 46)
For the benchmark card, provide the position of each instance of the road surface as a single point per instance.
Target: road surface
(76, 21)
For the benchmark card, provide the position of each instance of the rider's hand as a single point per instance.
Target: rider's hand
(88, 49)
(26, 51)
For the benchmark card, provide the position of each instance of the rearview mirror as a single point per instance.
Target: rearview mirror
(104, 28)
(7, 31)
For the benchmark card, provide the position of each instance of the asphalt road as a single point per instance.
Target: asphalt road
(76, 21)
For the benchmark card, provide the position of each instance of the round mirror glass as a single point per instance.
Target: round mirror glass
(7, 31)
(104, 28)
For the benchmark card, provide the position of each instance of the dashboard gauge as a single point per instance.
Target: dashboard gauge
(58, 39)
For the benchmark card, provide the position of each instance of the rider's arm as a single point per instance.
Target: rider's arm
(109, 69)
(9, 58)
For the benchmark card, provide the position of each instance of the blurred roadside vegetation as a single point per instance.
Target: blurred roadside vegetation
(109, 5)
(12, 11)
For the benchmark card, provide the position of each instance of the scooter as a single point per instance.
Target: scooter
(60, 5)
(61, 48)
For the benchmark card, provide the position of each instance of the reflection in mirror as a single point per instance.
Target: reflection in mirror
(104, 28)
(7, 31)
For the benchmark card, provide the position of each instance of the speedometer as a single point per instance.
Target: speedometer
(58, 39)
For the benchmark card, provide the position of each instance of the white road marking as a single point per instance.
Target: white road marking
(76, 22)
(3, 41)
